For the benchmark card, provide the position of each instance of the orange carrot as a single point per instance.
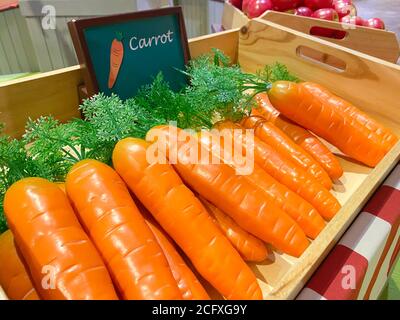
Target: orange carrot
(63, 262)
(185, 219)
(13, 277)
(334, 119)
(116, 58)
(188, 284)
(300, 210)
(272, 135)
(120, 233)
(288, 173)
(233, 194)
(300, 136)
(249, 247)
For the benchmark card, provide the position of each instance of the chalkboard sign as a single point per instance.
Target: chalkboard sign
(120, 53)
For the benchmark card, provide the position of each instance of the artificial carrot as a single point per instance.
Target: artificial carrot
(184, 218)
(232, 193)
(116, 58)
(277, 139)
(249, 247)
(334, 119)
(189, 285)
(132, 254)
(286, 172)
(300, 210)
(300, 136)
(63, 262)
(13, 276)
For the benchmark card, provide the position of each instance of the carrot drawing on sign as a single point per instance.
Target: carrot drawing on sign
(116, 57)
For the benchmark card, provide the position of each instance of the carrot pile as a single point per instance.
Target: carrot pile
(114, 207)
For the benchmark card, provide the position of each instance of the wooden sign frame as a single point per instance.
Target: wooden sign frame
(77, 27)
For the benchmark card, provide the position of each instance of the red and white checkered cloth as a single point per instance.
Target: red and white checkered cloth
(360, 264)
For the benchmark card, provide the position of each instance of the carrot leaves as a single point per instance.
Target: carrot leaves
(15, 164)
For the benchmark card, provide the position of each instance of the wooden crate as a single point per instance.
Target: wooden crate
(378, 43)
(370, 83)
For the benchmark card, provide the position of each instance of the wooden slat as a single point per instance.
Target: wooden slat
(233, 18)
(196, 17)
(4, 65)
(227, 41)
(26, 41)
(19, 50)
(39, 44)
(8, 46)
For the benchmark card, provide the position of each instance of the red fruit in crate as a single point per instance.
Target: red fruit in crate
(258, 7)
(355, 20)
(344, 9)
(326, 14)
(236, 3)
(284, 5)
(318, 4)
(375, 23)
(345, 1)
(303, 11)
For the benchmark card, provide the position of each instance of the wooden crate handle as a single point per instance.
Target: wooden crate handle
(378, 43)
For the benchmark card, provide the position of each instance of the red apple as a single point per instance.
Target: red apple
(326, 14)
(318, 4)
(303, 11)
(257, 7)
(344, 9)
(284, 5)
(236, 3)
(245, 5)
(375, 23)
(355, 20)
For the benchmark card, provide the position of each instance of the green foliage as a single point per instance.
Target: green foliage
(162, 105)
(111, 118)
(217, 87)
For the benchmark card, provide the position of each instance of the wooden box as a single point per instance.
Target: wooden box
(370, 83)
(378, 43)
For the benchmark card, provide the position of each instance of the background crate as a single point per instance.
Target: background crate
(378, 43)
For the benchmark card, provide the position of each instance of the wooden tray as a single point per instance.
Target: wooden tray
(370, 83)
(378, 43)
